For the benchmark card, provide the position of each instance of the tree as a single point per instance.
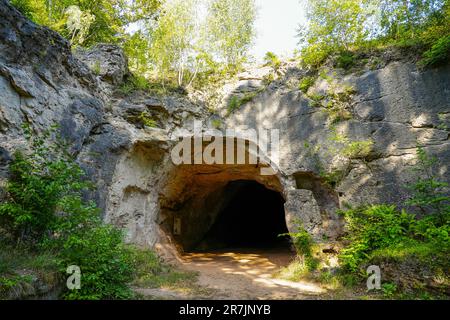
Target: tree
(78, 24)
(231, 29)
(175, 39)
(334, 23)
(110, 17)
(400, 18)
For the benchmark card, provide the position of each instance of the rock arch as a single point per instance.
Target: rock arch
(156, 201)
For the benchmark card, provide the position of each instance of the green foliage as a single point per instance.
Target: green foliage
(135, 83)
(345, 60)
(235, 102)
(439, 52)
(358, 149)
(216, 123)
(91, 21)
(96, 68)
(306, 83)
(382, 234)
(315, 54)
(38, 184)
(230, 29)
(303, 244)
(302, 241)
(146, 120)
(151, 272)
(388, 289)
(336, 102)
(316, 99)
(332, 25)
(428, 193)
(184, 44)
(175, 40)
(44, 209)
(295, 270)
(371, 228)
(105, 263)
(268, 78)
(271, 59)
(336, 27)
(332, 178)
(382, 230)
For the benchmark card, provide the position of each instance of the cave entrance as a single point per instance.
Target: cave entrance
(251, 217)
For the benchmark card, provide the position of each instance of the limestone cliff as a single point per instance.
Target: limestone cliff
(351, 138)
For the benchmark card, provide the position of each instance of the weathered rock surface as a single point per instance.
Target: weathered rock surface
(140, 189)
(107, 61)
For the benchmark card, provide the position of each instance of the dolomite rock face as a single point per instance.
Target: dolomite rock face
(322, 163)
(107, 61)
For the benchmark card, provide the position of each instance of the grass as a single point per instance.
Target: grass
(18, 267)
(358, 149)
(152, 272)
(294, 271)
(216, 123)
(146, 120)
(306, 83)
(236, 102)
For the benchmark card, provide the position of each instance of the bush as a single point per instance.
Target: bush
(303, 244)
(236, 102)
(44, 209)
(271, 59)
(428, 193)
(439, 52)
(345, 60)
(302, 241)
(306, 83)
(105, 263)
(358, 149)
(315, 54)
(381, 230)
(37, 185)
(370, 228)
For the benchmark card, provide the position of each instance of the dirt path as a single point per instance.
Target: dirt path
(237, 274)
(240, 274)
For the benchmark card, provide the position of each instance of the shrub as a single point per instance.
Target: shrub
(268, 78)
(303, 244)
(302, 241)
(45, 209)
(37, 184)
(439, 52)
(306, 83)
(271, 59)
(146, 120)
(233, 104)
(216, 123)
(370, 228)
(358, 149)
(135, 83)
(428, 193)
(105, 263)
(236, 102)
(315, 54)
(345, 60)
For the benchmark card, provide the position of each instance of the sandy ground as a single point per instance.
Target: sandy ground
(241, 274)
